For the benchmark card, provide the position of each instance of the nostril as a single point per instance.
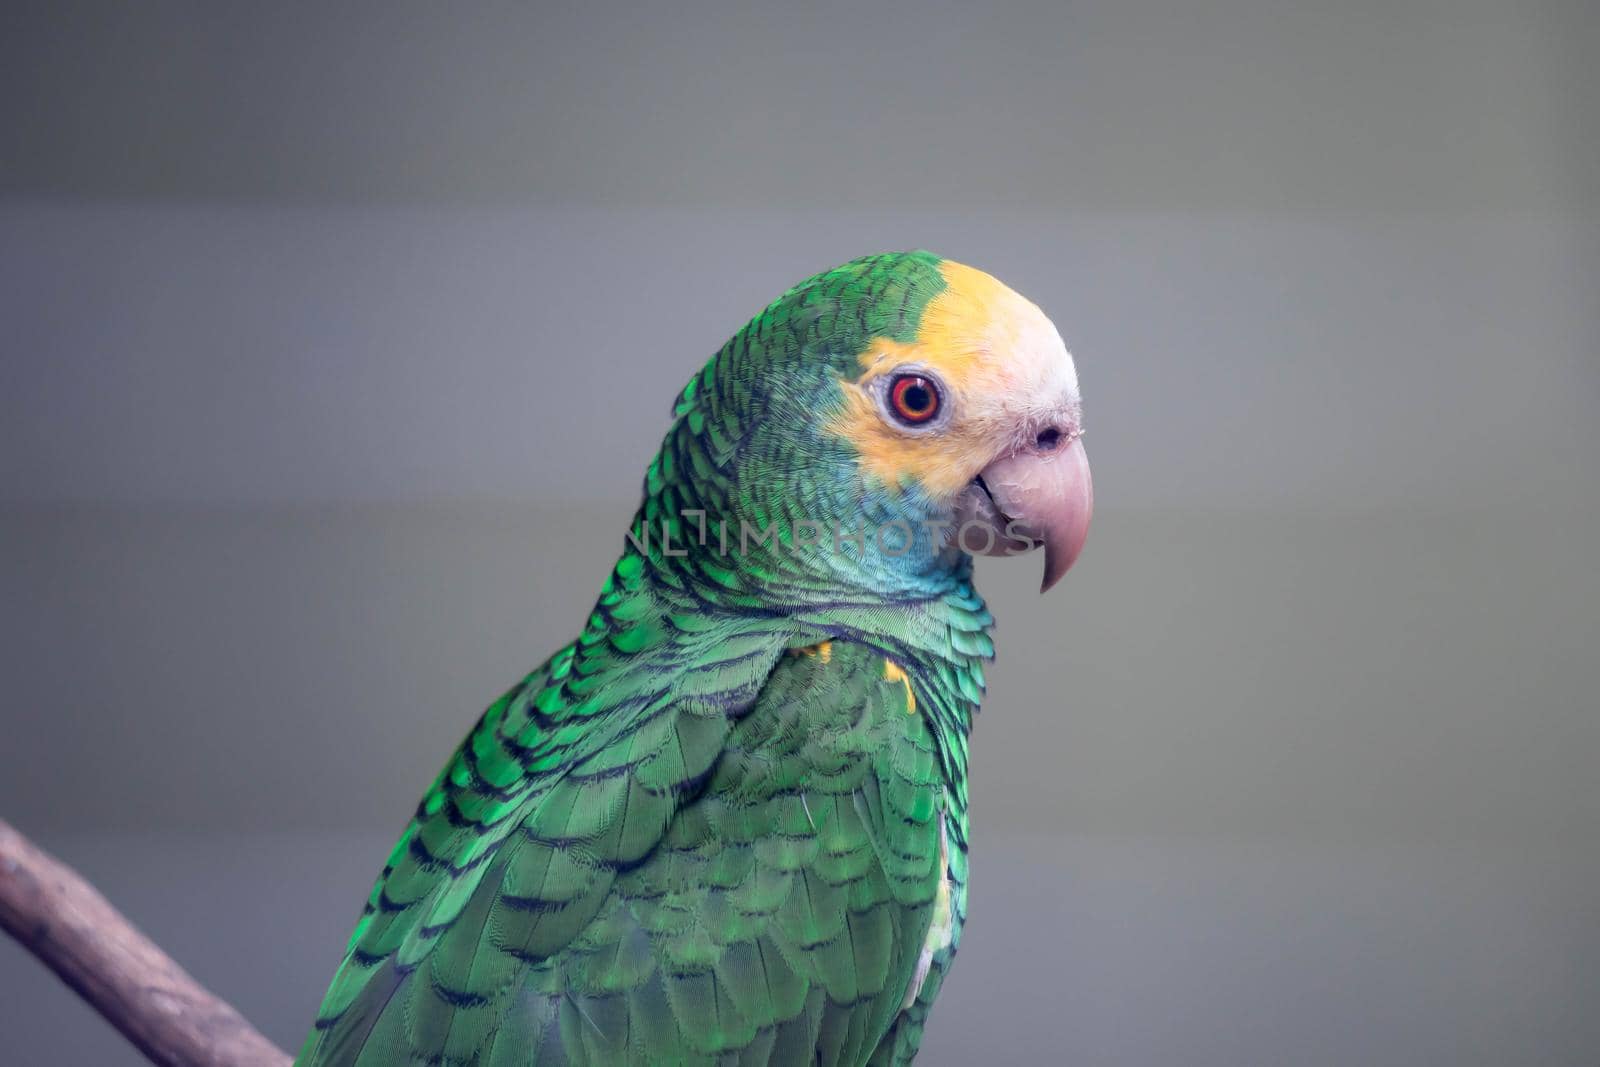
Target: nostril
(1048, 440)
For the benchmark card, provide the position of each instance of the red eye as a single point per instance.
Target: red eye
(913, 399)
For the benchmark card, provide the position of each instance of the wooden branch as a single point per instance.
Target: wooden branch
(60, 918)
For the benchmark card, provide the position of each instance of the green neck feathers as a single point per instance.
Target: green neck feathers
(756, 520)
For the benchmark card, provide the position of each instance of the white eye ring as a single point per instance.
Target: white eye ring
(912, 399)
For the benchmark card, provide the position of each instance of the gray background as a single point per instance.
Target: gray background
(334, 343)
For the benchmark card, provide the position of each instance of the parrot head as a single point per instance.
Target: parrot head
(908, 395)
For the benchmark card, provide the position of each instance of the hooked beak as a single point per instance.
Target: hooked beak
(1041, 496)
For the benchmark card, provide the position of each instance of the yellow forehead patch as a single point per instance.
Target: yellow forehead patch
(973, 336)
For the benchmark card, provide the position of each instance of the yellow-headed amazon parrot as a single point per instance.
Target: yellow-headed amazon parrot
(727, 824)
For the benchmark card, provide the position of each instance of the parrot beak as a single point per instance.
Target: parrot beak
(1040, 496)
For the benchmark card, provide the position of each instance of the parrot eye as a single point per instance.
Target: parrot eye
(913, 399)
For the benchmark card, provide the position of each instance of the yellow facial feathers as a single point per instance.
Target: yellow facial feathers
(992, 351)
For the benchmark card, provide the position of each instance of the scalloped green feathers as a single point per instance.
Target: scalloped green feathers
(727, 824)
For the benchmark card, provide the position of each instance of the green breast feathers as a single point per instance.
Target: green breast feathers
(758, 889)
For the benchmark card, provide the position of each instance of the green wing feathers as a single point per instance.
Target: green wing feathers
(743, 871)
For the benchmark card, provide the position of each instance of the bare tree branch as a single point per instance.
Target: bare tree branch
(60, 918)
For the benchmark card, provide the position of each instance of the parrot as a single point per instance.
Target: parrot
(728, 823)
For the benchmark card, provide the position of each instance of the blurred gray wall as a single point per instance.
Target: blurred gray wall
(334, 342)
